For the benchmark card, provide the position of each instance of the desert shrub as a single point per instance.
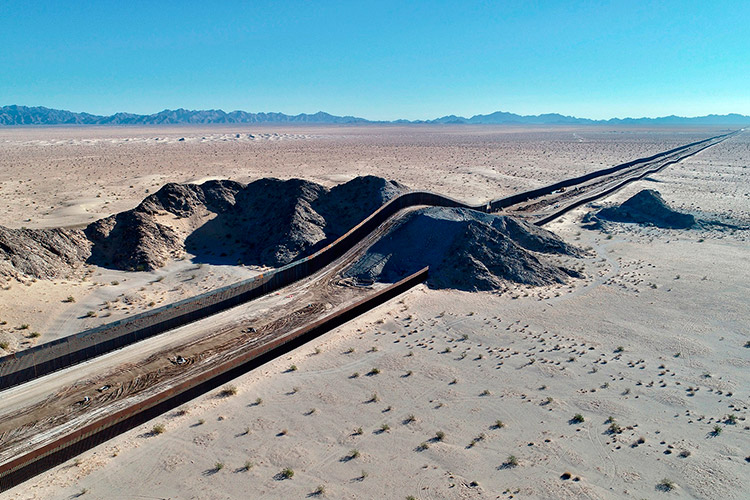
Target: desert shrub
(577, 419)
(666, 485)
(227, 391)
(287, 473)
(158, 429)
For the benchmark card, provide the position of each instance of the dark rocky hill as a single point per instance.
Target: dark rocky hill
(645, 207)
(466, 250)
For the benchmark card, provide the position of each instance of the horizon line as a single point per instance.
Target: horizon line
(393, 121)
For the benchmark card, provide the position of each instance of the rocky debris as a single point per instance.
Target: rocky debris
(41, 253)
(139, 240)
(268, 222)
(275, 222)
(348, 204)
(647, 207)
(466, 250)
(271, 223)
(132, 241)
(184, 200)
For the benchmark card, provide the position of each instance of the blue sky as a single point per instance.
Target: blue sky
(379, 59)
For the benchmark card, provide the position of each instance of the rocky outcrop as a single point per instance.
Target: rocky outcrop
(466, 250)
(41, 253)
(647, 207)
(269, 222)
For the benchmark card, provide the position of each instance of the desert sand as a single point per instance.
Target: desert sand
(437, 394)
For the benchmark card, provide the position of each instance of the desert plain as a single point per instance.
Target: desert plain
(629, 382)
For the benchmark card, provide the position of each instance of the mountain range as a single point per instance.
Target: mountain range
(38, 115)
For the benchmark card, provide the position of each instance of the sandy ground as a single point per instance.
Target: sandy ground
(67, 176)
(71, 176)
(654, 339)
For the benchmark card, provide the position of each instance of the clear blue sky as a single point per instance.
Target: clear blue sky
(379, 59)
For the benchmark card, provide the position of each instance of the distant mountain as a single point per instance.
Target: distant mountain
(24, 115)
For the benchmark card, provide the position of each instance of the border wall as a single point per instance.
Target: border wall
(35, 462)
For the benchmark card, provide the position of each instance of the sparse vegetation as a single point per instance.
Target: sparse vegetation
(577, 419)
(439, 436)
(511, 461)
(218, 466)
(385, 428)
(247, 466)
(293, 368)
(4, 345)
(227, 391)
(319, 491)
(665, 485)
(485, 392)
(90, 314)
(158, 429)
(614, 428)
(499, 424)
(716, 430)
(70, 299)
(287, 473)
(372, 372)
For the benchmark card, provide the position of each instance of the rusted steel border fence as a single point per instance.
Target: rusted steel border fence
(35, 462)
(49, 357)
